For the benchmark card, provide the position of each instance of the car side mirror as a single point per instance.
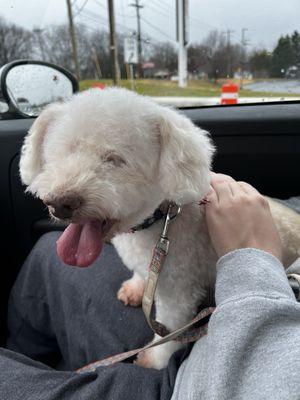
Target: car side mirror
(28, 86)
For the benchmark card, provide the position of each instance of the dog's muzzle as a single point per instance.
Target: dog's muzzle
(63, 207)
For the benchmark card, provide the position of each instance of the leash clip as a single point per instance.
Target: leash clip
(173, 210)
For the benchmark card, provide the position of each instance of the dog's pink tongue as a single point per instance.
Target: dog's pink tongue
(80, 245)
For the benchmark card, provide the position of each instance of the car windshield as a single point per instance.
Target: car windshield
(182, 52)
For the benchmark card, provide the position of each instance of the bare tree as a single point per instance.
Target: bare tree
(165, 56)
(15, 42)
(54, 45)
(199, 59)
(216, 57)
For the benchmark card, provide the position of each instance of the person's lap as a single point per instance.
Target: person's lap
(57, 312)
(72, 315)
(72, 310)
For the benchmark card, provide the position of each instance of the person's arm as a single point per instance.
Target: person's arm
(252, 349)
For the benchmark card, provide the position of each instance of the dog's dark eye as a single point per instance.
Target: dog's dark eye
(113, 158)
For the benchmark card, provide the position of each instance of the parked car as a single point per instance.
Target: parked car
(293, 72)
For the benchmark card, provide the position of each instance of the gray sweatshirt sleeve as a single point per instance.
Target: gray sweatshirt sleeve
(252, 349)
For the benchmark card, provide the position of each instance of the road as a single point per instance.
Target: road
(276, 86)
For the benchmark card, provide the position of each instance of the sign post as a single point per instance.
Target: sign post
(131, 55)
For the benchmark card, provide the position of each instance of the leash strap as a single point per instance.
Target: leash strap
(183, 334)
(202, 331)
(160, 252)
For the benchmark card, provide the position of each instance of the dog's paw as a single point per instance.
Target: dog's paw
(131, 291)
(157, 357)
(151, 359)
(145, 359)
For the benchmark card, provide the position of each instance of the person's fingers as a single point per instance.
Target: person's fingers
(234, 188)
(212, 197)
(223, 191)
(222, 184)
(240, 188)
(247, 188)
(220, 178)
(226, 187)
(210, 190)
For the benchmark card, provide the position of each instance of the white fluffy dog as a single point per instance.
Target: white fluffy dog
(105, 161)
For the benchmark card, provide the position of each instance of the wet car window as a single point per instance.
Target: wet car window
(181, 52)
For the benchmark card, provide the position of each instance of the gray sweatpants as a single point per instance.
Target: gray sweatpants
(68, 317)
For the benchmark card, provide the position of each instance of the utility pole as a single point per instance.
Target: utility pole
(244, 43)
(228, 34)
(244, 40)
(181, 19)
(138, 6)
(113, 45)
(73, 39)
(96, 62)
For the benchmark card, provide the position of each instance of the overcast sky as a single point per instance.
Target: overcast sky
(265, 20)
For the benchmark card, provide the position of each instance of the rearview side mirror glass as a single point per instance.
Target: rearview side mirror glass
(30, 86)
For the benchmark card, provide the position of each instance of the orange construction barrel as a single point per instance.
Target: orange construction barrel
(229, 93)
(100, 86)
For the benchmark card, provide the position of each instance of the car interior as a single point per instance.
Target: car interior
(257, 143)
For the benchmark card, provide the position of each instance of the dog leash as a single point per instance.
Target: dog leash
(184, 334)
(106, 362)
(160, 252)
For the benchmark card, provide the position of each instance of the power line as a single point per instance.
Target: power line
(116, 13)
(159, 11)
(93, 14)
(81, 8)
(88, 20)
(167, 7)
(96, 17)
(157, 29)
(92, 29)
(128, 16)
(151, 38)
(197, 24)
(194, 19)
(100, 4)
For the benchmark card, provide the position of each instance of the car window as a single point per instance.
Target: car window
(182, 52)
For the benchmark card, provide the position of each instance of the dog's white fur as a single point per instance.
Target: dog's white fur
(125, 155)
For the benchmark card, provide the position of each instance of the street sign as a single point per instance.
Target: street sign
(131, 50)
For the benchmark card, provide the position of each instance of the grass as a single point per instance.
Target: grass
(195, 88)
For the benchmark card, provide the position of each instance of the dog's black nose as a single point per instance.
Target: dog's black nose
(63, 207)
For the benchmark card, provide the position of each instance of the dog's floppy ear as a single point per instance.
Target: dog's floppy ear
(31, 160)
(186, 155)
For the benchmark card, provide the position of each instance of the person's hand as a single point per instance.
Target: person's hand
(238, 216)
